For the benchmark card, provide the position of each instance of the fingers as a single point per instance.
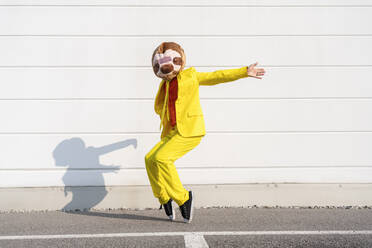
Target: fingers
(259, 71)
(253, 65)
(257, 77)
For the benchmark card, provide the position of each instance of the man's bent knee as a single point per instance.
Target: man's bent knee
(148, 159)
(160, 157)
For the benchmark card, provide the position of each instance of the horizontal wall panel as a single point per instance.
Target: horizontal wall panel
(229, 150)
(222, 3)
(134, 83)
(59, 83)
(193, 21)
(227, 51)
(220, 115)
(187, 176)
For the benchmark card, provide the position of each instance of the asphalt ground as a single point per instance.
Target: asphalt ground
(210, 227)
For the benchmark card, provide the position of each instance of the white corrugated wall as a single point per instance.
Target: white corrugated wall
(81, 69)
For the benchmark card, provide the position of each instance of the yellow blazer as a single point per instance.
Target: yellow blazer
(189, 115)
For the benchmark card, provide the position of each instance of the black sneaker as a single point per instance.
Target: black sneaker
(187, 209)
(169, 210)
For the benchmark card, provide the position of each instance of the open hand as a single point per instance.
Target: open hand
(255, 72)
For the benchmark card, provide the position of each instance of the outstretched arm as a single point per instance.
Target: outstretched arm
(228, 75)
(115, 146)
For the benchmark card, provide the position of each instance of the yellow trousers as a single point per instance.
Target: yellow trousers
(161, 171)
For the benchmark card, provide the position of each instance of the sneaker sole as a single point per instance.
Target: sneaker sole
(191, 210)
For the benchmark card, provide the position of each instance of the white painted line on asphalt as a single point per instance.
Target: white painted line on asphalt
(194, 240)
(113, 235)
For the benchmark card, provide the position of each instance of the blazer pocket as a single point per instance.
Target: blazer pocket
(194, 113)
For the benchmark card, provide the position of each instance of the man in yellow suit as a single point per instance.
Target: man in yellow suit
(178, 105)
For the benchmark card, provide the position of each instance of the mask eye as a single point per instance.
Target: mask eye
(177, 61)
(156, 67)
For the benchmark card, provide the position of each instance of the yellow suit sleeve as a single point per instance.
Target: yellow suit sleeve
(221, 76)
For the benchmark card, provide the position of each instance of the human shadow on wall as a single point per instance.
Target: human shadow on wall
(83, 165)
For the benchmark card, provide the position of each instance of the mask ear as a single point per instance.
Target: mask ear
(158, 49)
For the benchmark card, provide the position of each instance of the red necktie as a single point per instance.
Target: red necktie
(173, 95)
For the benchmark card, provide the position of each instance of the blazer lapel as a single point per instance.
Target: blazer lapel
(159, 99)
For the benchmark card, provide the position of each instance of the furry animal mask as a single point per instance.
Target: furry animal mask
(168, 60)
